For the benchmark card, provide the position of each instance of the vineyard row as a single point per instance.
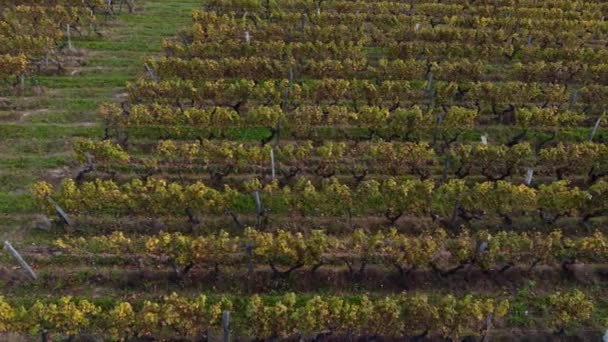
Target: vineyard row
(221, 158)
(390, 198)
(285, 251)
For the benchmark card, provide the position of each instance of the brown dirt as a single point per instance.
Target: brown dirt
(80, 278)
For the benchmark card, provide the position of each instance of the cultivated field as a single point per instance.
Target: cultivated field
(327, 170)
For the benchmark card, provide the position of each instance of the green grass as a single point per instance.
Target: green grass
(48, 131)
(32, 162)
(120, 46)
(87, 79)
(36, 131)
(17, 203)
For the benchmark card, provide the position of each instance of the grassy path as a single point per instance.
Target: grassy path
(36, 131)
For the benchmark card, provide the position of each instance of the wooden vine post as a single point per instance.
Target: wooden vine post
(595, 128)
(69, 37)
(63, 216)
(226, 325)
(529, 176)
(258, 208)
(272, 164)
(20, 260)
